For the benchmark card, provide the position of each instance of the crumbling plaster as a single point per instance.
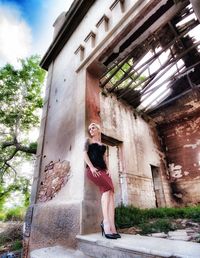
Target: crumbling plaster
(61, 138)
(140, 150)
(63, 132)
(181, 139)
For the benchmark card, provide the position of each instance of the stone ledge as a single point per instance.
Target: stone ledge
(135, 246)
(57, 251)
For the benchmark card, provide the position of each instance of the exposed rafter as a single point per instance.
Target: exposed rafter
(150, 74)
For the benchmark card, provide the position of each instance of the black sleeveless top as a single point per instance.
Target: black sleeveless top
(95, 153)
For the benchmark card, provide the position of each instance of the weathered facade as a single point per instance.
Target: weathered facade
(153, 153)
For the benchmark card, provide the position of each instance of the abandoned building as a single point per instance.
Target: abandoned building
(133, 67)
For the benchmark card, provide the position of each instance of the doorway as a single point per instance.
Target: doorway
(114, 161)
(157, 185)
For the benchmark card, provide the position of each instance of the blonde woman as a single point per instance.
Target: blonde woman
(97, 172)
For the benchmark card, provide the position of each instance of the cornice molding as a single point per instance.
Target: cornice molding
(73, 18)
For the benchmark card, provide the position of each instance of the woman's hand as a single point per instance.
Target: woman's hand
(108, 172)
(95, 172)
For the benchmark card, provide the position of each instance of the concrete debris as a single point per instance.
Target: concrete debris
(187, 230)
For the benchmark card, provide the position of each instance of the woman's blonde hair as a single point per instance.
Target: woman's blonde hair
(96, 125)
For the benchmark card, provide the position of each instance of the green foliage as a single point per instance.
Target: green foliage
(16, 245)
(132, 81)
(2, 216)
(20, 94)
(20, 100)
(33, 146)
(20, 184)
(15, 214)
(128, 216)
(160, 225)
(175, 213)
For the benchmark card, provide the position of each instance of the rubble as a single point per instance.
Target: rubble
(187, 230)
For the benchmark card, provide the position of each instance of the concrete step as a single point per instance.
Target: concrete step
(57, 252)
(136, 246)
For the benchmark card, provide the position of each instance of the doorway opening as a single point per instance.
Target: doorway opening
(157, 186)
(115, 167)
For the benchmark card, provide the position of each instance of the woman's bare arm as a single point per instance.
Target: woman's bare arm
(87, 160)
(94, 170)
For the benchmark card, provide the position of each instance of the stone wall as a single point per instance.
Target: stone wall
(141, 150)
(64, 122)
(182, 143)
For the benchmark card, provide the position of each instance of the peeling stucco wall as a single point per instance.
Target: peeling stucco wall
(69, 106)
(56, 175)
(140, 150)
(182, 146)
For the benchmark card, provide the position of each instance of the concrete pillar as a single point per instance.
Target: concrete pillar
(196, 7)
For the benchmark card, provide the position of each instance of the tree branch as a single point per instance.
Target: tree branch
(8, 165)
(18, 146)
(11, 188)
(7, 144)
(26, 149)
(12, 155)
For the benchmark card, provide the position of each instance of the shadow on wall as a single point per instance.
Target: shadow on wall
(177, 194)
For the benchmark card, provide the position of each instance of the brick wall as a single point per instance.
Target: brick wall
(181, 140)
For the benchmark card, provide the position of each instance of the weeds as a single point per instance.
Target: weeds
(155, 219)
(11, 236)
(15, 214)
(16, 245)
(160, 225)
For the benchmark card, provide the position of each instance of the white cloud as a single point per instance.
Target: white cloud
(51, 9)
(15, 36)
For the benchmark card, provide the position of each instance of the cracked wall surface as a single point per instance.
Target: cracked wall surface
(182, 147)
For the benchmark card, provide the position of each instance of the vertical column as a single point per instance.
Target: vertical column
(91, 209)
(196, 7)
(92, 99)
(40, 141)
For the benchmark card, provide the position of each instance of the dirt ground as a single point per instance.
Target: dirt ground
(10, 237)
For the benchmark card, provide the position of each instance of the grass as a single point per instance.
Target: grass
(155, 219)
(13, 214)
(16, 245)
(160, 225)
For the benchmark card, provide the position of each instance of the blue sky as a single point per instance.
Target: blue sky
(26, 27)
(30, 9)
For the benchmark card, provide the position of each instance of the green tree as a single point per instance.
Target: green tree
(20, 100)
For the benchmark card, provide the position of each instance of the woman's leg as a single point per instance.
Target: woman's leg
(105, 199)
(111, 212)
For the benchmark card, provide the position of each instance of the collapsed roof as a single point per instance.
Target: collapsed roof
(162, 68)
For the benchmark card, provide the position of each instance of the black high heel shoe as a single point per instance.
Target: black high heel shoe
(109, 236)
(116, 235)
